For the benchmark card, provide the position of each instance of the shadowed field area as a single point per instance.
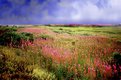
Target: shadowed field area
(60, 53)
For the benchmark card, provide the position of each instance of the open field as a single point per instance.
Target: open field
(60, 53)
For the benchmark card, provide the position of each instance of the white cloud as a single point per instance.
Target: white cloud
(89, 10)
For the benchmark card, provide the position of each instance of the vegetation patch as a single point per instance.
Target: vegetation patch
(76, 53)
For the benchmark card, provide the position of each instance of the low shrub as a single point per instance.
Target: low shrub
(27, 36)
(9, 37)
(7, 29)
(45, 36)
(116, 66)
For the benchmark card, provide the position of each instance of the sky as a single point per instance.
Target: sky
(60, 11)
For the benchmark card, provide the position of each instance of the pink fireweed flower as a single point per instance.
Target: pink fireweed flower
(120, 68)
(79, 65)
(114, 66)
(108, 67)
(107, 70)
(115, 71)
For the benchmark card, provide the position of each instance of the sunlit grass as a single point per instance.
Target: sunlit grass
(111, 32)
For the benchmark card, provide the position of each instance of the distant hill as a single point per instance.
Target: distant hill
(79, 25)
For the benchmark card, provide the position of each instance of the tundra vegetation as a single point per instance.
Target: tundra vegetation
(60, 53)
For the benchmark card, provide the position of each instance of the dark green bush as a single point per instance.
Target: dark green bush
(116, 63)
(117, 58)
(7, 29)
(27, 36)
(45, 36)
(9, 36)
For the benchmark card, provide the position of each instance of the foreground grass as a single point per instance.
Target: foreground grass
(22, 64)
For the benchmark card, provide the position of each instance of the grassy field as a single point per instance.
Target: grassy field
(61, 53)
(111, 32)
